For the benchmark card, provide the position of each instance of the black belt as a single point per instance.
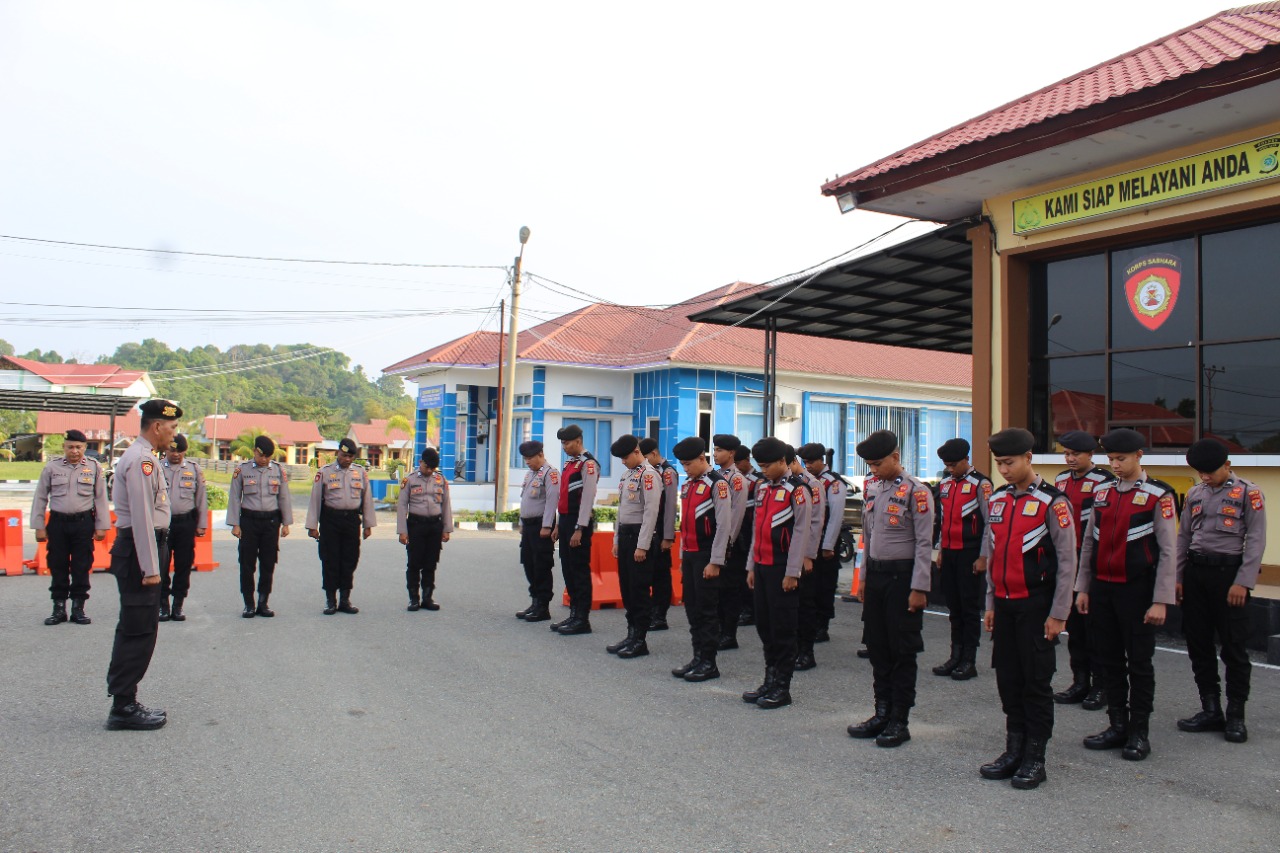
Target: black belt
(629, 527)
(426, 519)
(326, 510)
(1216, 561)
(191, 513)
(71, 516)
(890, 565)
(273, 515)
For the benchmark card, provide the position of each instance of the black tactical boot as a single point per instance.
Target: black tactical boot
(779, 696)
(1096, 700)
(77, 612)
(658, 622)
(949, 665)
(176, 615)
(428, 598)
(770, 677)
(894, 734)
(556, 626)
(681, 671)
(330, 604)
(1031, 773)
(747, 617)
(1008, 762)
(704, 671)
(823, 635)
(1137, 747)
(344, 603)
(727, 642)
(1209, 719)
(864, 653)
(614, 648)
(415, 603)
(524, 614)
(1235, 730)
(263, 609)
(579, 623)
(250, 609)
(637, 648)
(164, 608)
(804, 658)
(1114, 736)
(541, 613)
(59, 614)
(1076, 693)
(136, 717)
(873, 725)
(967, 668)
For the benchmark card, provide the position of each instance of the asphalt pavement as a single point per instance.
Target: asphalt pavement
(468, 730)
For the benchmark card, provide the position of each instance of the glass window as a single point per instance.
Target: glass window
(604, 402)
(597, 437)
(706, 400)
(826, 426)
(1073, 291)
(1155, 393)
(1239, 282)
(521, 431)
(580, 401)
(1153, 295)
(749, 418)
(1242, 395)
(905, 423)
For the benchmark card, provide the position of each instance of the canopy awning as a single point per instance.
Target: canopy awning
(56, 401)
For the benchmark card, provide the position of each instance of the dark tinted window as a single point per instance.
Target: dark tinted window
(1155, 387)
(1077, 390)
(1242, 395)
(1073, 291)
(1241, 280)
(1153, 295)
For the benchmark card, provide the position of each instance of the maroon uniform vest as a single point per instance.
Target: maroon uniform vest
(571, 483)
(1023, 559)
(697, 510)
(960, 510)
(775, 519)
(1124, 536)
(1080, 492)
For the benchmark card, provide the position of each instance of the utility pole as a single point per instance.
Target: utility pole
(509, 382)
(497, 443)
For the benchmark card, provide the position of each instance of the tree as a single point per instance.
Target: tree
(242, 445)
(53, 445)
(6, 348)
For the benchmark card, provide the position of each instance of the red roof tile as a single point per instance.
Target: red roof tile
(95, 427)
(89, 375)
(284, 429)
(375, 432)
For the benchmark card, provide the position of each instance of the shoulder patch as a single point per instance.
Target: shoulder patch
(554, 476)
(1255, 499)
(317, 479)
(648, 482)
(590, 467)
(236, 473)
(1063, 512)
(799, 495)
(722, 489)
(148, 466)
(403, 482)
(737, 484)
(1166, 506)
(668, 476)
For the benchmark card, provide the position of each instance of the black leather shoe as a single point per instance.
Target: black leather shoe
(894, 734)
(524, 614)
(249, 612)
(1073, 695)
(164, 608)
(658, 623)
(136, 717)
(263, 610)
(1235, 730)
(77, 612)
(1096, 700)
(778, 697)
(414, 606)
(964, 671)
(823, 636)
(638, 649)
(1209, 718)
(727, 643)
(1113, 737)
(745, 618)
(753, 696)
(949, 665)
(614, 648)
(805, 661)
(1031, 773)
(680, 671)
(873, 725)
(430, 604)
(345, 606)
(704, 671)
(59, 614)
(580, 625)
(541, 614)
(330, 605)
(864, 653)
(176, 614)
(1008, 762)
(1137, 747)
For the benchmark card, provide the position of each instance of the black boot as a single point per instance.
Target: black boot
(176, 615)
(894, 734)
(428, 598)
(770, 677)
(1008, 762)
(1115, 734)
(1137, 747)
(77, 612)
(1235, 730)
(658, 622)
(727, 642)
(578, 624)
(164, 608)
(614, 648)
(415, 604)
(59, 614)
(524, 614)
(804, 658)
(873, 725)
(1031, 773)
(680, 671)
(330, 604)
(263, 609)
(704, 671)
(638, 648)
(949, 665)
(556, 626)
(823, 635)
(1096, 700)
(136, 717)
(1076, 693)
(966, 669)
(1209, 719)
(541, 613)
(250, 609)
(747, 617)
(779, 696)
(344, 603)
(864, 653)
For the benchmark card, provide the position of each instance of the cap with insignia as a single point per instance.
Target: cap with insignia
(742, 454)
(179, 443)
(1079, 441)
(264, 445)
(953, 450)
(811, 452)
(1013, 441)
(569, 433)
(74, 435)
(348, 446)
(690, 448)
(768, 450)
(1207, 455)
(725, 441)
(160, 410)
(1123, 440)
(530, 449)
(648, 445)
(625, 446)
(878, 445)
(431, 456)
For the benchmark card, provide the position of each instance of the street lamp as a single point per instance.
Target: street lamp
(509, 384)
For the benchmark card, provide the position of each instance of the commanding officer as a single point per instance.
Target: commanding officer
(1031, 551)
(807, 616)
(341, 502)
(1220, 545)
(779, 541)
(707, 512)
(733, 579)
(538, 498)
(1128, 575)
(898, 530)
(962, 514)
(1078, 483)
(189, 509)
(142, 519)
(578, 483)
(259, 511)
(667, 520)
(639, 535)
(73, 488)
(424, 520)
(739, 549)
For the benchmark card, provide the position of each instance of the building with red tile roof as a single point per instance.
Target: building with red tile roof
(298, 439)
(74, 378)
(380, 445)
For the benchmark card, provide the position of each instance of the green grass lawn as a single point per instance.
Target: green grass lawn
(20, 470)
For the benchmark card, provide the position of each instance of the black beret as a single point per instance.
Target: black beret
(648, 445)
(742, 454)
(264, 444)
(1079, 441)
(1123, 440)
(74, 435)
(690, 448)
(768, 450)
(348, 446)
(811, 452)
(878, 445)
(162, 410)
(1207, 454)
(624, 446)
(569, 433)
(724, 441)
(1013, 441)
(431, 456)
(953, 450)
(530, 449)
(179, 443)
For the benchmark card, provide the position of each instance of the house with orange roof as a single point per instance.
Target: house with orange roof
(298, 439)
(380, 445)
(96, 428)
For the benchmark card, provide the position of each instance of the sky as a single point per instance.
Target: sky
(656, 151)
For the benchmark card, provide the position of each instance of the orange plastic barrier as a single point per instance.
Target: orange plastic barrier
(204, 547)
(101, 551)
(856, 585)
(11, 541)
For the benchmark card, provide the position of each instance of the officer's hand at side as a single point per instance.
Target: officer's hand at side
(789, 583)
(641, 555)
(99, 535)
(444, 537)
(807, 565)
(545, 532)
(42, 536)
(235, 530)
(667, 543)
(576, 539)
(711, 571)
(1155, 615)
(1178, 593)
(313, 533)
(1236, 596)
(615, 547)
(404, 538)
(989, 621)
(150, 580)
(980, 566)
(1082, 603)
(368, 531)
(284, 530)
(1053, 627)
(916, 601)
(828, 554)
(201, 531)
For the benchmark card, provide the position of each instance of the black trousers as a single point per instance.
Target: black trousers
(965, 594)
(661, 584)
(828, 572)
(701, 603)
(423, 554)
(807, 608)
(1123, 643)
(893, 638)
(575, 563)
(777, 616)
(180, 550)
(537, 555)
(259, 547)
(340, 532)
(733, 588)
(1208, 619)
(1025, 662)
(139, 621)
(69, 552)
(635, 577)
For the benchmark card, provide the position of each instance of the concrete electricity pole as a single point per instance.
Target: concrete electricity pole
(509, 385)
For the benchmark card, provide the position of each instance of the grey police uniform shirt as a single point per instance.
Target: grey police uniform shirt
(833, 496)
(341, 488)
(898, 525)
(737, 500)
(639, 493)
(186, 489)
(1059, 526)
(71, 489)
(1163, 525)
(1228, 520)
(425, 495)
(259, 490)
(142, 502)
(540, 494)
(671, 497)
(817, 513)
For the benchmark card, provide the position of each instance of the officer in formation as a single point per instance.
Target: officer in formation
(827, 567)
(1220, 544)
(74, 490)
(733, 578)
(739, 548)
(898, 531)
(188, 519)
(1079, 483)
(339, 516)
(260, 512)
(1029, 546)
(962, 523)
(638, 536)
(706, 508)
(807, 612)
(424, 522)
(661, 589)
(539, 496)
(142, 519)
(578, 484)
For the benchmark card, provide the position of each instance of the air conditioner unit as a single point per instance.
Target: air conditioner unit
(790, 411)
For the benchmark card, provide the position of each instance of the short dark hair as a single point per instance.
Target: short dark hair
(145, 424)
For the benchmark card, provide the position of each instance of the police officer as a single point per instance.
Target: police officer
(639, 535)
(667, 519)
(259, 511)
(142, 519)
(1030, 550)
(1220, 545)
(962, 522)
(733, 578)
(807, 615)
(579, 480)
(898, 531)
(189, 511)
(706, 507)
(341, 503)
(424, 520)
(779, 541)
(1079, 483)
(827, 566)
(739, 548)
(74, 490)
(1127, 577)
(538, 498)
